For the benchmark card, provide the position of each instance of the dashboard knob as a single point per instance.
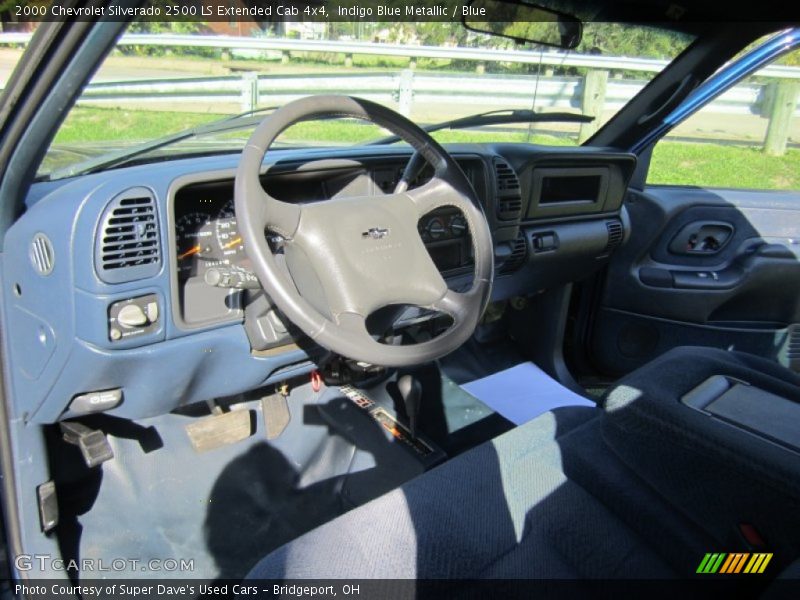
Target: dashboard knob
(131, 316)
(458, 225)
(435, 228)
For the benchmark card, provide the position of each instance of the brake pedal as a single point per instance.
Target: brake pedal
(92, 443)
(220, 430)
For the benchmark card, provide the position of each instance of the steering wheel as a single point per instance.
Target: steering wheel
(348, 257)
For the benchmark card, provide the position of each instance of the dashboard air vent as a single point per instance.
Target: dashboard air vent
(519, 252)
(42, 255)
(128, 244)
(509, 196)
(615, 233)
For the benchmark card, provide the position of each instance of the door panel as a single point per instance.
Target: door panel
(702, 267)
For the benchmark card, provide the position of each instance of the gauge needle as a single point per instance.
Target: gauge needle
(238, 240)
(189, 252)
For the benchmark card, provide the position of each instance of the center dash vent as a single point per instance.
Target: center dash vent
(519, 252)
(509, 196)
(128, 244)
(615, 233)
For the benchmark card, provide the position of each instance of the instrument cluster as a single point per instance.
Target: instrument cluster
(207, 236)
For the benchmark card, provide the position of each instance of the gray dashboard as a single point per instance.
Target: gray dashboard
(101, 311)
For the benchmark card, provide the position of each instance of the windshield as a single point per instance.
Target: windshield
(164, 78)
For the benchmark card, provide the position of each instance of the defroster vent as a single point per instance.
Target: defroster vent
(128, 244)
(509, 195)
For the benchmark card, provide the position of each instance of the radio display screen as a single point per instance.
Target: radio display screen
(580, 188)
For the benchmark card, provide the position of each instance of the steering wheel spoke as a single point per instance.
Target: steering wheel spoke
(281, 217)
(434, 194)
(354, 324)
(454, 304)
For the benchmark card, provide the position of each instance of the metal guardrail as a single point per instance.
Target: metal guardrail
(404, 87)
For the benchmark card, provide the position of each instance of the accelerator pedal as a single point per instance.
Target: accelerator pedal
(220, 429)
(276, 412)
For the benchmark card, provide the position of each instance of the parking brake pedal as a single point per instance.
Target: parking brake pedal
(92, 443)
(220, 429)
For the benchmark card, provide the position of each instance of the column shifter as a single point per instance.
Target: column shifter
(411, 395)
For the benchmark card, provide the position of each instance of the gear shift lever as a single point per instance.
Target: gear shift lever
(411, 393)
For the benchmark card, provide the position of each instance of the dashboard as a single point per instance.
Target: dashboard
(132, 287)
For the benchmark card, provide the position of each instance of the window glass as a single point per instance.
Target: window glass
(747, 138)
(153, 86)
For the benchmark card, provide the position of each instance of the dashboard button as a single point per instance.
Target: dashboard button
(152, 311)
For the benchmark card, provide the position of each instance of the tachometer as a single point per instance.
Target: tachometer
(193, 241)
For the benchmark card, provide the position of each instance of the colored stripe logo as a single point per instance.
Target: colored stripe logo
(733, 563)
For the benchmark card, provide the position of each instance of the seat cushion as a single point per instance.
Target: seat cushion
(718, 475)
(545, 500)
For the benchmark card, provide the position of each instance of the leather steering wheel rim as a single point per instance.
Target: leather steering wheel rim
(351, 256)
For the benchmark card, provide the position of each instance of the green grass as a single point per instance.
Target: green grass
(112, 125)
(677, 163)
(115, 125)
(715, 165)
(336, 131)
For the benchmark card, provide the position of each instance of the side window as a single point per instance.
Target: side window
(748, 138)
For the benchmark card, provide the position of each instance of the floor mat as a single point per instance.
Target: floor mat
(224, 509)
(523, 392)
(452, 418)
(474, 360)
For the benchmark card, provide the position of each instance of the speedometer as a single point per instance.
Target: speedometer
(192, 241)
(230, 248)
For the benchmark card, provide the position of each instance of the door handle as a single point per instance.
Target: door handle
(701, 238)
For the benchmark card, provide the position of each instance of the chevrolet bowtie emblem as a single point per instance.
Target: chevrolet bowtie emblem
(376, 233)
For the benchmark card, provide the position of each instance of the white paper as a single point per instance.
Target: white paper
(523, 392)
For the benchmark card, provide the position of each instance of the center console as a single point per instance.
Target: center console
(717, 435)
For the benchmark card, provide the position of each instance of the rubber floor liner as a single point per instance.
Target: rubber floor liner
(223, 510)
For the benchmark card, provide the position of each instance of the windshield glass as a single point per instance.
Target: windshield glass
(163, 78)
